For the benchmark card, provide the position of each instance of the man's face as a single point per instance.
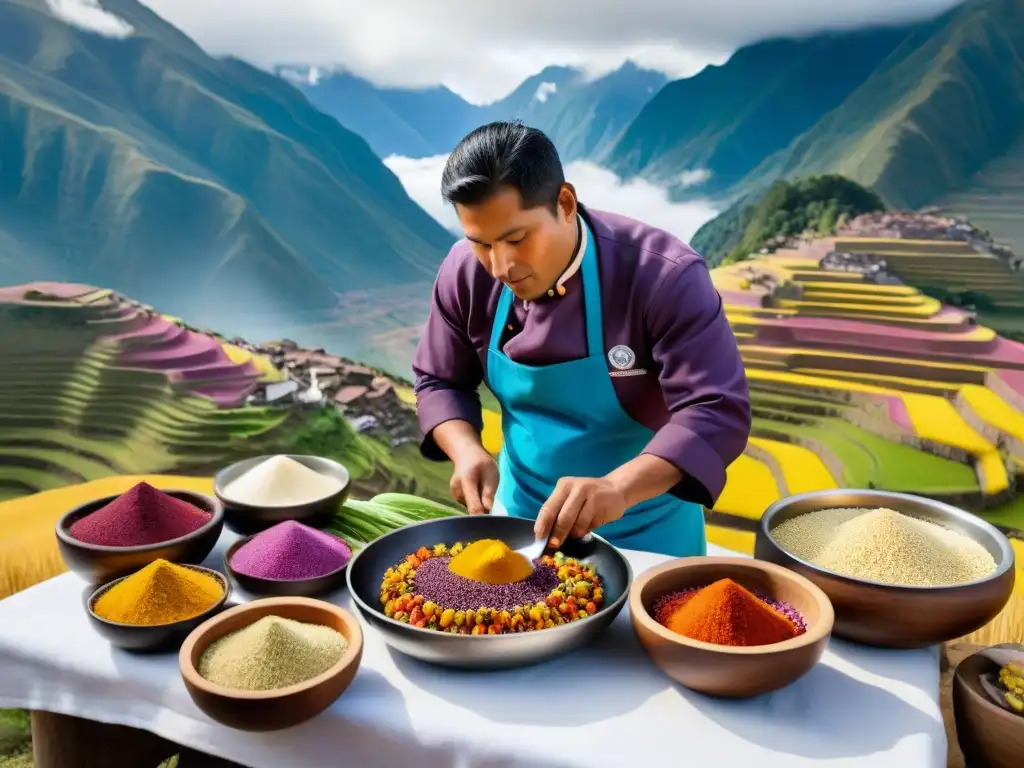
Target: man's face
(526, 249)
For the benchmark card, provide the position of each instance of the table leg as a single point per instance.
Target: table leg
(62, 741)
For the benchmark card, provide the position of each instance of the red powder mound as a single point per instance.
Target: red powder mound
(725, 613)
(139, 516)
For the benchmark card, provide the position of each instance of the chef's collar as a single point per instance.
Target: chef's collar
(558, 289)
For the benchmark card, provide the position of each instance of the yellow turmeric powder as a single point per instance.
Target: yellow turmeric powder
(161, 593)
(491, 562)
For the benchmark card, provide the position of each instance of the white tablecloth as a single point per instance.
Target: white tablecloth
(606, 705)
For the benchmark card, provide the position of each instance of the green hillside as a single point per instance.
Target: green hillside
(947, 101)
(727, 119)
(812, 205)
(204, 186)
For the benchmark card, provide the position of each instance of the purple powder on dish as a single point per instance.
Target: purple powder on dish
(785, 609)
(291, 551)
(437, 584)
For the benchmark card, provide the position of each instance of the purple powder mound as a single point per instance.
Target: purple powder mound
(436, 583)
(291, 551)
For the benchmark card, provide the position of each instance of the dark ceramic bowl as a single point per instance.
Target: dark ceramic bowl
(721, 670)
(894, 616)
(247, 519)
(100, 564)
(519, 649)
(989, 735)
(284, 707)
(153, 639)
(260, 587)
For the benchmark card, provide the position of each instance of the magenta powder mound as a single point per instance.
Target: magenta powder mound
(291, 551)
(141, 515)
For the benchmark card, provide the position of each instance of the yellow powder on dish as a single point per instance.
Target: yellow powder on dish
(490, 561)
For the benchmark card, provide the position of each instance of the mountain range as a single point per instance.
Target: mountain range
(204, 186)
(259, 204)
(583, 115)
(912, 113)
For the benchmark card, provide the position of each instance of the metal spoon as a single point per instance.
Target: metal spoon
(533, 550)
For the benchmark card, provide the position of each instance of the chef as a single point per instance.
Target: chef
(623, 397)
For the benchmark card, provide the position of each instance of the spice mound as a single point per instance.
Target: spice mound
(271, 653)
(1011, 681)
(290, 551)
(725, 613)
(141, 515)
(280, 481)
(423, 590)
(161, 593)
(490, 561)
(885, 546)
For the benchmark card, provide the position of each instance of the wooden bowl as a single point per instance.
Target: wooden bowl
(887, 615)
(247, 519)
(722, 670)
(260, 587)
(989, 736)
(152, 638)
(100, 564)
(284, 707)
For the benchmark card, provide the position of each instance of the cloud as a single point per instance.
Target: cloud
(88, 15)
(483, 56)
(544, 90)
(421, 178)
(597, 187)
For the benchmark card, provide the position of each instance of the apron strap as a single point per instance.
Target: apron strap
(500, 315)
(592, 298)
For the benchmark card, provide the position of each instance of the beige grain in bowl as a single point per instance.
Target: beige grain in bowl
(271, 710)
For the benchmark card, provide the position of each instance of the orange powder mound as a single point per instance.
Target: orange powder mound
(725, 613)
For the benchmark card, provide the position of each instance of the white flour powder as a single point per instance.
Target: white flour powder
(280, 481)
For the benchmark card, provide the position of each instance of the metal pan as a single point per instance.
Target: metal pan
(367, 568)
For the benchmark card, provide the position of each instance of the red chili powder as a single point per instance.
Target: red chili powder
(725, 613)
(141, 515)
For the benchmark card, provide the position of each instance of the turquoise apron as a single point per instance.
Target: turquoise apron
(565, 420)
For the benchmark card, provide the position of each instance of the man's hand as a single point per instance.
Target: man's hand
(474, 481)
(577, 506)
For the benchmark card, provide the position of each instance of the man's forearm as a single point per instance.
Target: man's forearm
(457, 438)
(643, 478)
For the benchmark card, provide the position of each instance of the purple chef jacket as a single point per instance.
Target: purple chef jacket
(687, 383)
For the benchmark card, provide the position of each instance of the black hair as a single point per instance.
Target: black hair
(505, 153)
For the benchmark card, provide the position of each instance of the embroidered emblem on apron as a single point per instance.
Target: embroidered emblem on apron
(621, 357)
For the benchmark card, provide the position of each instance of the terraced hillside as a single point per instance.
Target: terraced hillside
(994, 199)
(948, 270)
(97, 388)
(95, 384)
(860, 379)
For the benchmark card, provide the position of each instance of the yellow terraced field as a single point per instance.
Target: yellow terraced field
(731, 539)
(268, 371)
(993, 409)
(896, 382)
(924, 309)
(796, 351)
(802, 470)
(749, 489)
(865, 288)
